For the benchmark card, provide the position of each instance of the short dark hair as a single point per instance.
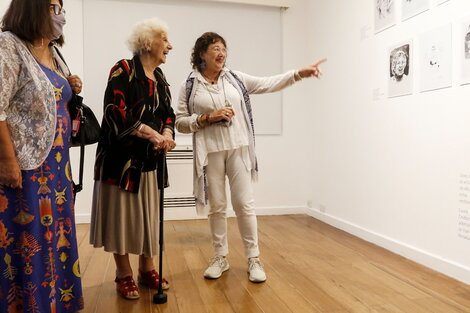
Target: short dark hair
(29, 20)
(201, 45)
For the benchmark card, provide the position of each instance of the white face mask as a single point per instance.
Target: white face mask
(58, 22)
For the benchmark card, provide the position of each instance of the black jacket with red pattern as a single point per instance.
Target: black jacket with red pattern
(131, 99)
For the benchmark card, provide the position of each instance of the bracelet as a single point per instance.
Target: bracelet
(199, 121)
(203, 120)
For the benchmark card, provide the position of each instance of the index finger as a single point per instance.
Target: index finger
(320, 62)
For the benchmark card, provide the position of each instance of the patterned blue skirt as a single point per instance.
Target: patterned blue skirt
(39, 266)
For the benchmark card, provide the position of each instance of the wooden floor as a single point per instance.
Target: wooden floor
(311, 267)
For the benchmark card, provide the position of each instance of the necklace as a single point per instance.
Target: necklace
(210, 80)
(226, 102)
(45, 61)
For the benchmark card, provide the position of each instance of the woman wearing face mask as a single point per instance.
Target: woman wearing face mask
(38, 255)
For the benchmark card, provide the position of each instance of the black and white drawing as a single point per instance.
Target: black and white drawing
(465, 48)
(410, 8)
(435, 58)
(400, 70)
(384, 14)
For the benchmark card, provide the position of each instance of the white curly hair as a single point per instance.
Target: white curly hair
(143, 33)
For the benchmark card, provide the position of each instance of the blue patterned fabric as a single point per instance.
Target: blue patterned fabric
(39, 266)
(249, 110)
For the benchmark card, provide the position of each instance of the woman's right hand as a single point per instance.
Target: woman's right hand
(224, 114)
(159, 141)
(10, 174)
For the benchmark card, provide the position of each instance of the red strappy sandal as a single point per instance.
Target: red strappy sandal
(151, 279)
(126, 286)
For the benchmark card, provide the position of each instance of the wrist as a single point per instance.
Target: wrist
(167, 131)
(297, 75)
(203, 120)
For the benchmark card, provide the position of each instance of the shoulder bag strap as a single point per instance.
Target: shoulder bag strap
(65, 69)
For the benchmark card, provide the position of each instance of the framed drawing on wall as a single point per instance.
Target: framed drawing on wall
(410, 8)
(441, 1)
(435, 58)
(400, 70)
(384, 12)
(464, 45)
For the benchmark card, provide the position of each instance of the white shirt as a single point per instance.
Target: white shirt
(220, 136)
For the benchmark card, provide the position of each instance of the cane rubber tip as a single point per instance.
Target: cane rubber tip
(159, 298)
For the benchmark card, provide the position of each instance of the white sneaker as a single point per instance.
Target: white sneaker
(256, 271)
(217, 266)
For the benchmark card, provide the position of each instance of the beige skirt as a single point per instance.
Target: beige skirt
(124, 222)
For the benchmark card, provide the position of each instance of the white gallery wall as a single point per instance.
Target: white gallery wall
(394, 171)
(390, 170)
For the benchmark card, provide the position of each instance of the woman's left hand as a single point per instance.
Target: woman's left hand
(168, 143)
(76, 83)
(312, 70)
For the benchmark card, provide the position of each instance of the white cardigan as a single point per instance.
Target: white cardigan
(216, 137)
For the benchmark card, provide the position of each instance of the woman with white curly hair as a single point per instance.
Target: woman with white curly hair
(137, 128)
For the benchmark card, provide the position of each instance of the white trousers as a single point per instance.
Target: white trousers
(230, 163)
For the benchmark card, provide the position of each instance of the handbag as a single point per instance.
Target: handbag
(85, 126)
(85, 131)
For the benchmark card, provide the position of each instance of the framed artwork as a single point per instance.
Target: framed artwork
(435, 58)
(441, 1)
(465, 48)
(400, 70)
(410, 8)
(384, 12)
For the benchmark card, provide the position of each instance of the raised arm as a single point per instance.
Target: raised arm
(259, 85)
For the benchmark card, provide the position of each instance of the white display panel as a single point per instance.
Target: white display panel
(253, 35)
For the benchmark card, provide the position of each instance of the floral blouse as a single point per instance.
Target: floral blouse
(27, 102)
(130, 100)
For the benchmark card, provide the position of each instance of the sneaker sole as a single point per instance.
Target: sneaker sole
(256, 281)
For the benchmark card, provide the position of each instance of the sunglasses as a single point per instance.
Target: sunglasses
(57, 9)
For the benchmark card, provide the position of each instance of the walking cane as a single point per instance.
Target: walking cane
(160, 297)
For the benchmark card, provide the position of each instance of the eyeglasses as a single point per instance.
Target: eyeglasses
(57, 9)
(218, 49)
